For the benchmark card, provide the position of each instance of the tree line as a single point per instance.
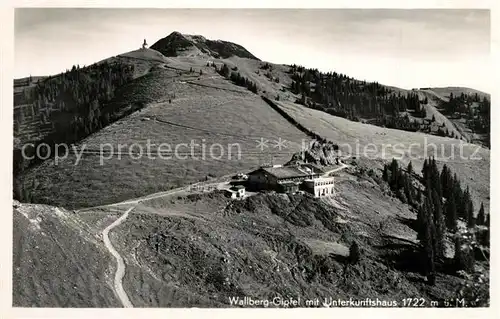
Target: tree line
(343, 96)
(76, 104)
(474, 109)
(236, 77)
(440, 205)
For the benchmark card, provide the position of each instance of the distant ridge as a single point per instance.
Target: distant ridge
(456, 90)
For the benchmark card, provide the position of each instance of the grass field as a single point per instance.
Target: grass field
(210, 111)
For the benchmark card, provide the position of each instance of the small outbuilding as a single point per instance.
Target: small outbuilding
(240, 190)
(234, 192)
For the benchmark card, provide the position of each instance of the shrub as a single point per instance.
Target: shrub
(354, 253)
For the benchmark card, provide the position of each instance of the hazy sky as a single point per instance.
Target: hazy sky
(405, 48)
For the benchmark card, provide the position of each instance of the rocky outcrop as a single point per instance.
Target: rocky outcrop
(177, 43)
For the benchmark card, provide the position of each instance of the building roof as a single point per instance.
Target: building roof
(321, 179)
(285, 172)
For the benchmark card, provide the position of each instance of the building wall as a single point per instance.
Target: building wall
(321, 187)
(289, 188)
(262, 180)
(229, 193)
(324, 191)
(293, 179)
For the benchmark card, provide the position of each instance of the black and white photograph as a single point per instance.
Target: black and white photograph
(251, 158)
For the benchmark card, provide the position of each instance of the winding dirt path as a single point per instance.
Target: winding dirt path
(120, 265)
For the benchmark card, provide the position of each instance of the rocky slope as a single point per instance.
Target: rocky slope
(205, 250)
(178, 44)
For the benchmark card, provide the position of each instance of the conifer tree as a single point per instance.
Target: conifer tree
(439, 225)
(461, 199)
(446, 181)
(436, 183)
(485, 238)
(425, 170)
(481, 218)
(451, 214)
(409, 169)
(428, 245)
(408, 190)
(394, 180)
(225, 71)
(471, 221)
(421, 221)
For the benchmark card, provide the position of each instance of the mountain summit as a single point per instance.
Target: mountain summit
(176, 44)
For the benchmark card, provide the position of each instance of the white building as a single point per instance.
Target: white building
(240, 191)
(235, 192)
(321, 186)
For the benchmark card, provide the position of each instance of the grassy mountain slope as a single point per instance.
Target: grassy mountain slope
(204, 109)
(199, 104)
(471, 162)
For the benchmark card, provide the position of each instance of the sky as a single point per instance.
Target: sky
(399, 47)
